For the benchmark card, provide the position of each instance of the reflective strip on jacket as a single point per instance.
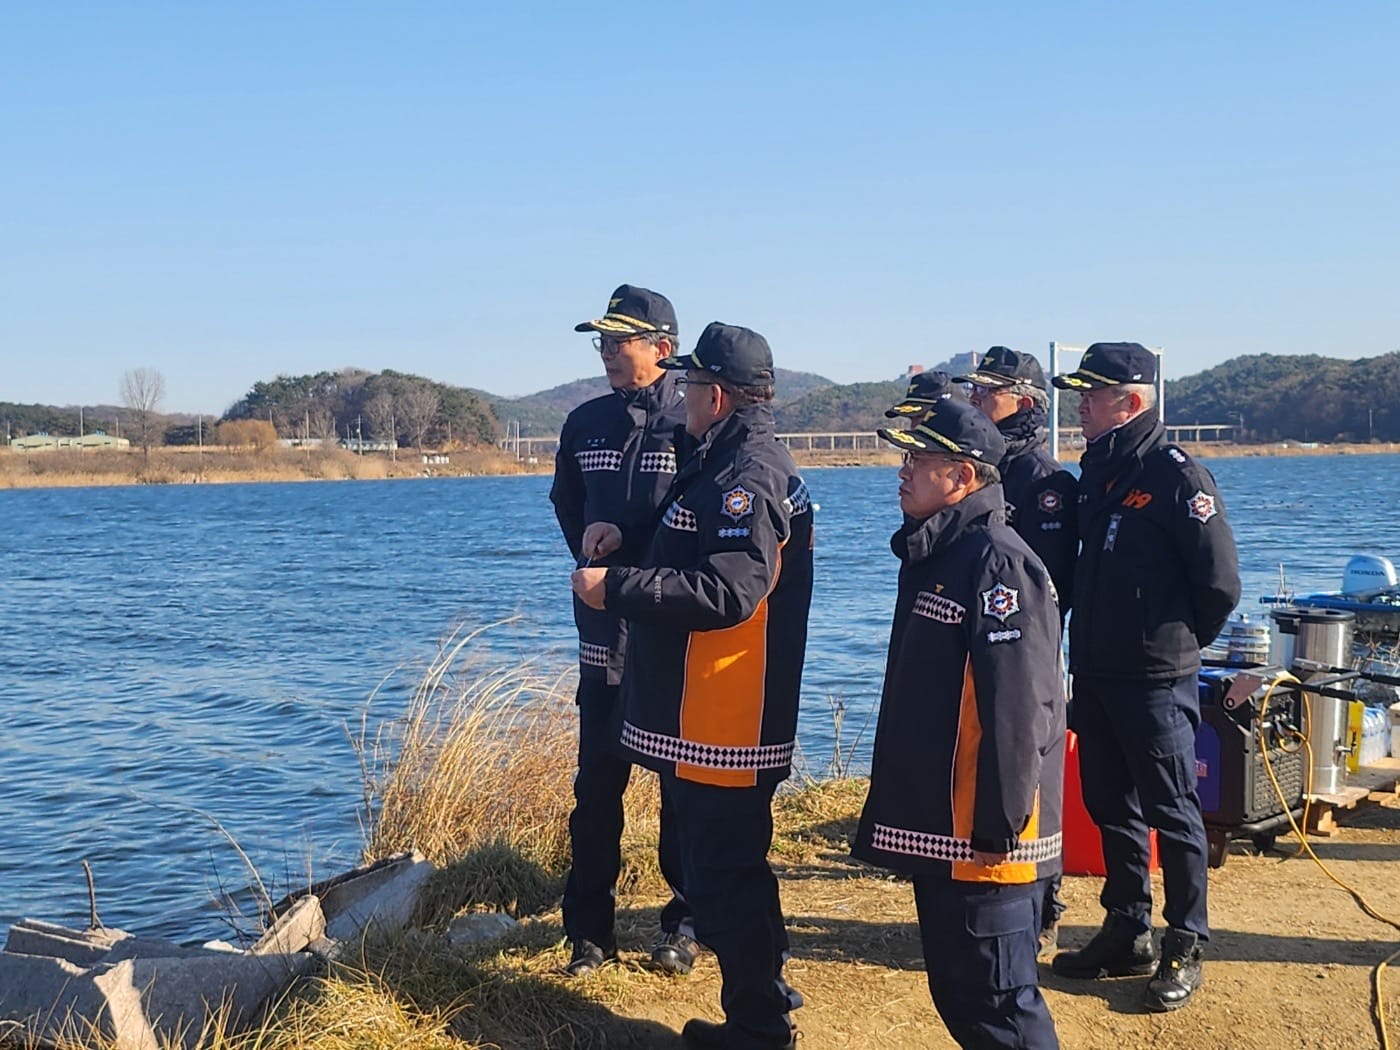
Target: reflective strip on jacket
(969, 749)
(616, 460)
(717, 612)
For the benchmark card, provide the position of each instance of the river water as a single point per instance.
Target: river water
(179, 656)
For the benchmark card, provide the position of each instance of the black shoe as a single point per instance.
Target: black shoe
(675, 953)
(706, 1035)
(1119, 949)
(1179, 975)
(587, 957)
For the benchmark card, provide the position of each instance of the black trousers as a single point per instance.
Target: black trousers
(980, 941)
(595, 826)
(1137, 762)
(725, 834)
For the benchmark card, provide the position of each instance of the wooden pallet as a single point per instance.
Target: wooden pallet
(1373, 783)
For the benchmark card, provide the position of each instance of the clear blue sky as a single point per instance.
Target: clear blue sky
(228, 191)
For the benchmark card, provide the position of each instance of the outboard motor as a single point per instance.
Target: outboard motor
(1366, 576)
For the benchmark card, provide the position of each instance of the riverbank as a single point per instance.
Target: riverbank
(216, 465)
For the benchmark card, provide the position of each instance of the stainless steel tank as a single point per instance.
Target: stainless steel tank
(1283, 635)
(1323, 642)
(1324, 637)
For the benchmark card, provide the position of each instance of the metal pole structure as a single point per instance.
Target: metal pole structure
(1054, 403)
(1161, 388)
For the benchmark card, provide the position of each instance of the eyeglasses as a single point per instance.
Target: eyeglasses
(611, 344)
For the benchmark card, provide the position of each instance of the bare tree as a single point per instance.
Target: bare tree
(320, 423)
(380, 410)
(143, 389)
(418, 407)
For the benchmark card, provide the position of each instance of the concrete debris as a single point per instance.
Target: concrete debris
(62, 986)
(294, 931)
(479, 928)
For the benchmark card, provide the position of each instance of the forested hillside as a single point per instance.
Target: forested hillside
(839, 409)
(375, 406)
(542, 414)
(1307, 398)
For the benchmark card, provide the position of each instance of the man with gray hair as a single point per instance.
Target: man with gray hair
(1156, 579)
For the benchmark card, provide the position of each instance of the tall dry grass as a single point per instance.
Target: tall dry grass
(478, 776)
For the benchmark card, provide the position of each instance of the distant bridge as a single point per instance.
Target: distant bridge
(833, 440)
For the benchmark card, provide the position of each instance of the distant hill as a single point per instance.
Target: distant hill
(542, 414)
(1300, 398)
(847, 407)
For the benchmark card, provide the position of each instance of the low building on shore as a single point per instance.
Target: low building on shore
(51, 442)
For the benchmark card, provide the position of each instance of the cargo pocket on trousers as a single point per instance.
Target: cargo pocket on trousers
(1004, 942)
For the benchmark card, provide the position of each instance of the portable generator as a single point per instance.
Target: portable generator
(1244, 715)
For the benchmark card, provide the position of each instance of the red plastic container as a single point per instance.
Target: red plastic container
(1083, 848)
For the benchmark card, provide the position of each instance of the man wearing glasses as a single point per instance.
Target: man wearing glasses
(967, 775)
(1041, 500)
(718, 608)
(616, 460)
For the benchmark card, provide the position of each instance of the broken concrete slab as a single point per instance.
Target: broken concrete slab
(84, 947)
(142, 993)
(56, 1002)
(89, 947)
(383, 895)
(142, 1004)
(298, 927)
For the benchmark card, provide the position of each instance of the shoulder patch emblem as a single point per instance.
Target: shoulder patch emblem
(737, 503)
(1001, 602)
(1201, 506)
(1176, 454)
(1049, 502)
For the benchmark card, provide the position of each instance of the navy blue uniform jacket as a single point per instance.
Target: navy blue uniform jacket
(969, 750)
(717, 612)
(1158, 574)
(616, 459)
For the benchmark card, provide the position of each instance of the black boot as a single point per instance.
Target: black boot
(1180, 973)
(706, 1035)
(1119, 949)
(587, 957)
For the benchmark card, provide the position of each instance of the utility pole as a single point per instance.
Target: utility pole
(1370, 424)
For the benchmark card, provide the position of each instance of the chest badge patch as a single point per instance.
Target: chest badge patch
(1049, 502)
(737, 503)
(1001, 602)
(1201, 506)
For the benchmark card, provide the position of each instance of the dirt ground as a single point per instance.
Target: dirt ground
(1289, 965)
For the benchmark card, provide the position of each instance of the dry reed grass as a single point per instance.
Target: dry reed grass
(216, 464)
(478, 776)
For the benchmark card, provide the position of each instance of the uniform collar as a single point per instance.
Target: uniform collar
(1023, 431)
(917, 541)
(1107, 455)
(663, 392)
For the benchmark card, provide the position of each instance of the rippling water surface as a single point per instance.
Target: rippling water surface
(179, 656)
